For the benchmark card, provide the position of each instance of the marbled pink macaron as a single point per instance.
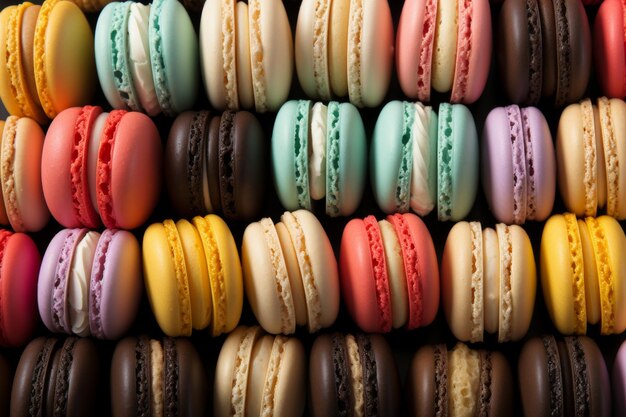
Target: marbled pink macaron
(518, 164)
(90, 283)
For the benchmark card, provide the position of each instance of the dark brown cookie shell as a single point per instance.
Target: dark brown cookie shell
(192, 381)
(322, 381)
(501, 385)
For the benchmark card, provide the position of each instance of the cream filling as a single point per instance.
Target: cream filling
(317, 151)
(139, 56)
(491, 280)
(158, 370)
(78, 286)
(422, 201)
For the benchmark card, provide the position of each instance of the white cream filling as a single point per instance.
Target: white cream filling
(139, 57)
(491, 280)
(317, 151)
(78, 290)
(421, 201)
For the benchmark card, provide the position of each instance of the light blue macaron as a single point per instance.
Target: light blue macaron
(173, 50)
(345, 157)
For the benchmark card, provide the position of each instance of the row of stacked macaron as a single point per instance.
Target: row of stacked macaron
(149, 58)
(96, 168)
(90, 283)
(261, 374)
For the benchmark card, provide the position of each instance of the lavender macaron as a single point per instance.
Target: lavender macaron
(90, 283)
(518, 164)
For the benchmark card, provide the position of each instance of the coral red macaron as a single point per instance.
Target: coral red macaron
(389, 273)
(101, 168)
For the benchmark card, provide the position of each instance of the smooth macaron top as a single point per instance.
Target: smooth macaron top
(216, 164)
(389, 273)
(290, 273)
(19, 263)
(101, 165)
(246, 54)
(519, 174)
(319, 153)
(563, 377)
(446, 46)
(608, 48)
(147, 57)
(345, 47)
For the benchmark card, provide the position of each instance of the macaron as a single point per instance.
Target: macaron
(19, 266)
(147, 57)
(154, 378)
(353, 375)
(488, 281)
(246, 54)
(290, 273)
(609, 56)
(90, 283)
(618, 379)
(101, 168)
(589, 149)
(459, 382)
(192, 275)
(258, 375)
(445, 46)
(22, 204)
(216, 164)
(543, 50)
(319, 153)
(345, 48)
(565, 377)
(57, 376)
(519, 174)
(48, 59)
(389, 273)
(583, 273)
(419, 160)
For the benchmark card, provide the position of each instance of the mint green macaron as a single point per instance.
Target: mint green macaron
(319, 153)
(420, 161)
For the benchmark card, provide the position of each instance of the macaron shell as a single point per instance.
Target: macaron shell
(82, 378)
(616, 243)
(36, 353)
(9, 100)
(358, 279)
(28, 147)
(338, 48)
(312, 43)
(259, 359)
(322, 377)
(121, 283)
(445, 46)
(618, 379)
(618, 120)
(270, 35)
(376, 43)
(179, 54)
(136, 155)
(192, 381)
(244, 65)
(20, 266)
(4, 219)
(597, 377)
(408, 40)
(543, 174)
(501, 386)
(557, 277)
(396, 274)
(69, 71)
(549, 74)
(592, 284)
(197, 274)
(323, 267)
(608, 48)
(386, 156)
(352, 159)
(289, 384)
(456, 267)
(268, 298)
(535, 379)
(387, 379)
(421, 386)
(160, 279)
(523, 282)
(125, 373)
(55, 163)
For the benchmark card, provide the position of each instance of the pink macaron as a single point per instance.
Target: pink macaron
(389, 274)
(19, 264)
(101, 168)
(90, 283)
(518, 164)
(609, 48)
(445, 46)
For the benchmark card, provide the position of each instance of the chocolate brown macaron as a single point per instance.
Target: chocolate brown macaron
(567, 377)
(150, 378)
(216, 164)
(462, 381)
(543, 50)
(353, 375)
(56, 377)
